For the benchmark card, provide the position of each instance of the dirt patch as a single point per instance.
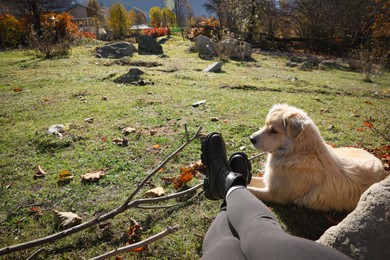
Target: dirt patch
(240, 87)
(147, 64)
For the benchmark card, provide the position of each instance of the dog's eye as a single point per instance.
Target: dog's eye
(273, 131)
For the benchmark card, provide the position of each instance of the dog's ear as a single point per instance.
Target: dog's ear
(295, 124)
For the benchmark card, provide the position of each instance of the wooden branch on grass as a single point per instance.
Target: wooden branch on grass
(126, 205)
(142, 243)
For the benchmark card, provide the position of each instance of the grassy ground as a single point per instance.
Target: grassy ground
(38, 93)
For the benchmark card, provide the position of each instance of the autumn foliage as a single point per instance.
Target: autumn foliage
(11, 33)
(157, 32)
(55, 28)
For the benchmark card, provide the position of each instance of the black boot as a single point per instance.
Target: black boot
(239, 162)
(219, 175)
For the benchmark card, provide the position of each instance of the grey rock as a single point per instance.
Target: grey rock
(365, 232)
(148, 45)
(215, 67)
(235, 49)
(205, 47)
(329, 65)
(308, 65)
(292, 64)
(115, 50)
(132, 76)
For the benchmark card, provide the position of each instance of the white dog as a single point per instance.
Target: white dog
(302, 169)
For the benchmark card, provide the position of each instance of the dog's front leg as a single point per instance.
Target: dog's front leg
(263, 193)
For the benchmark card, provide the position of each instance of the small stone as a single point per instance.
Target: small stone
(196, 104)
(214, 119)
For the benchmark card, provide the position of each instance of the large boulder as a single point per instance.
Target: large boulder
(148, 45)
(365, 232)
(115, 50)
(235, 49)
(205, 47)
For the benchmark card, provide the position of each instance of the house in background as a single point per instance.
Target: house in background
(83, 17)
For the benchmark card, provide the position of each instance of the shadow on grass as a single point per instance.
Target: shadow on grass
(304, 222)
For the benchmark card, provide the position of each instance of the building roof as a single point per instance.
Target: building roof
(140, 27)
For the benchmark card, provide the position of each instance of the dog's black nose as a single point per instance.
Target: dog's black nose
(253, 140)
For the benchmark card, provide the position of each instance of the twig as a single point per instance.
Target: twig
(256, 156)
(126, 205)
(145, 242)
(172, 205)
(378, 132)
(36, 253)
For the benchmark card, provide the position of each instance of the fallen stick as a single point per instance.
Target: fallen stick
(142, 243)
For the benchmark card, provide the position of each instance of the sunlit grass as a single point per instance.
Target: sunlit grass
(38, 93)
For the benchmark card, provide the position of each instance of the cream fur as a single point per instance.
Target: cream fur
(303, 170)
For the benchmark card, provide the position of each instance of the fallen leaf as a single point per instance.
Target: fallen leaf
(134, 235)
(66, 219)
(18, 90)
(214, 119)
(93, 176)
(39, 173)
(8, 185)
(103, 139)
(186, 174)
(65, 175)
(156, 147)
(129, 130)
(367, 123)
(156, 192)
(104, 98)
(121, 141)
(36, 211)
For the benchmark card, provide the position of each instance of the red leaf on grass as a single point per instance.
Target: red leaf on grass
(367, 123)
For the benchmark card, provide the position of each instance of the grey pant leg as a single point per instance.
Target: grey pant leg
(261, 236)
(219, 242)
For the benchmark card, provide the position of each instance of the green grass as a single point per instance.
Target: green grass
(67, 91)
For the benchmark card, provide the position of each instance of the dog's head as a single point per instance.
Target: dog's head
(284, 124)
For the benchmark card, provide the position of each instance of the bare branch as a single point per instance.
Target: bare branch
(128, 204)
(36, 253)
(172, 205)
(145, 242)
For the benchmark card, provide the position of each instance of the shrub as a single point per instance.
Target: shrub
(57, 34)
(209, 27)
(11, 32)
(157, 32)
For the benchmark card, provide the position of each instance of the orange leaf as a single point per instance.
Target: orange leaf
(35, 209)
(367, 123)
(140, 249)
(156, 146)
(186, 176)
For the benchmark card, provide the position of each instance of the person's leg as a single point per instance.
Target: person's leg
(219, 242)
(261, 236)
